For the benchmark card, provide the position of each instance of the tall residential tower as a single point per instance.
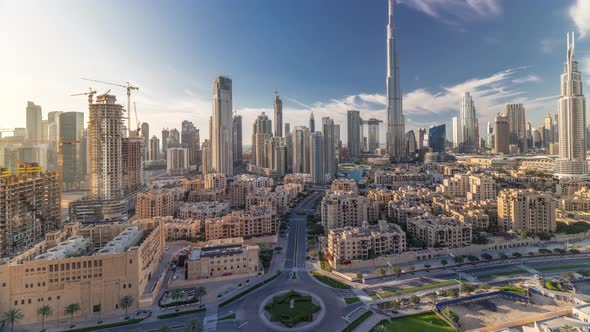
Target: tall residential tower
(221, 138)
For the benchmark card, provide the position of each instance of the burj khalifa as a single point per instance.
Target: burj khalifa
(396, 126)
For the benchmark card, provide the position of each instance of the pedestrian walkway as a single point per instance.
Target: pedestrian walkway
(210, 320)
(466, 276)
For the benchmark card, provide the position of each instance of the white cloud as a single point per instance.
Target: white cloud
(580, 13)
(526, 79)
(455, 11)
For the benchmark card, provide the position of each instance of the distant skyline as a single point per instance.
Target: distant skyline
(325, 56)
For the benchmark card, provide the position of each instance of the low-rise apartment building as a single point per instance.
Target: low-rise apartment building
(157, 203)
(437, 231)
(528, 210)
(257, 222)
(344, 184)
(340, 209)
(203, 210)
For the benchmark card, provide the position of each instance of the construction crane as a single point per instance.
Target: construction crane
(136, 118)
(22, 167)
(90, 95)
(6, 130)
(129, 88)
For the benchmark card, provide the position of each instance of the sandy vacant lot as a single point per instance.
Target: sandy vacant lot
(492, 311)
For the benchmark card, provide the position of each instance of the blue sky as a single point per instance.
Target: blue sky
(324, 55)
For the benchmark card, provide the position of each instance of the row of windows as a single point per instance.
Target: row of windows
(74, 265)
(38, 300)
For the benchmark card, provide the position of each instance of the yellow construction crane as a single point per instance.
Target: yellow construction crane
(129, 88)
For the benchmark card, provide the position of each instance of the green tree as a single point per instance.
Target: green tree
(433, 298)
(397, 271)
(175, 295)
(415, 300)
(568, 328)
(485, 286)
(193, 325)
(452, 293)
(395, 305)
(467, 288)
(568, 276)
(12, 316)
(126, 302)
(359, 276)
(200, 292)
(450, 314)
(71, 310)
(165, 328)
(44, 311)
(381, 272)
(444, 262)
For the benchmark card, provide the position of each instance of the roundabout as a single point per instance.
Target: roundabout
(292, 310)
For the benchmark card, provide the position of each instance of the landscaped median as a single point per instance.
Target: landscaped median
(258, 285)
(500, 274)
(106, 326)
(425, 321)
(181, 313)
(414, 289)
(563, 267)
(329, 281)
(357, 321)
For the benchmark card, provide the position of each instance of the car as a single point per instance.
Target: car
(167, 247)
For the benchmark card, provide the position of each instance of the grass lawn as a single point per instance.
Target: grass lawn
(281, 311)
(563, 267)
(515, 290)
(232, 316)
(499, 274)
(427, 321)
(414, 289)
(329, 281)
(350, 300)
(357, 321)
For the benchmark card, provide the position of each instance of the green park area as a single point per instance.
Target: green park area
(302, 310)
(500, 274)
(426, 321)
(562, 267)
(329, 281)
(414, 289)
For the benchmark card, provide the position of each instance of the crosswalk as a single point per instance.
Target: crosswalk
(210, 321)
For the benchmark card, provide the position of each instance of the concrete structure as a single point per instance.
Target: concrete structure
(353, 125)
(373, 131)
(145, 137)
(340, 209)
(221, 123)
(501, 134)
(29, 208)
(216, 181)
(278, 113)
(344, 184)
(154, 149)
(132, 162)
(301, 162)
(316, 157)
(396, 123)
(468, 125)
(223, 258)
(256, 222)
(455, 124)
(177, 161)
(572, 119)
(311, 123)
(438, 231)
(60, 271)
(190, 138)
(261, 132)
(237, 139)
(528, 210)
(158, 203)
(366, 242)
(518, 126)
(243, 185)
(104, 148)
(397, 179)
(329, 149)
(481, 187)
(437, 138)
(71, 129)
(165, 137)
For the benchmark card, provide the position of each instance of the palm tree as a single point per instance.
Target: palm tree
(381, 272)
(175, 295)
(568, 328)
(395, 305)
(126, 302)
(12, 316)
(433, 298)
(44, 311)
(359, 275)
(193, 325)
(71, 310)
(200, 292)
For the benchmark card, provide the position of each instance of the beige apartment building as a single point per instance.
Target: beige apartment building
(223, 258)
(340, 209)
(528, 210)
(398, 179)
(215, 181)
(456, 186)
(366, 242)
(344, 184)
(579, 201)
(181, 229)
(298, 178)
(481, 187)
(67, 270)
(157, 203)
(203, 210)
(383, 196)
(401, 211)
(278, 200)
(257, 222)
(204, 195)
(437, 231)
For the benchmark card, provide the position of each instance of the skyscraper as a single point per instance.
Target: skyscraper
(311, 123)
(278, 108)
(33, 122)
(411, 143)
(104, 148)
(329, 147)
(165, 135)
(154, 149)
(354, 133)
(317, 157)
(420, 138)
(190, 139)
(501, 134)
(455, 132)
(437, 137)
(301, 150)
(396, 128)
(572, 118)
(145, 135)
(72, 129)
(237, 139)
(261, 131)
(373, 128)
(222, 146)
(468, 126)
(518, 126)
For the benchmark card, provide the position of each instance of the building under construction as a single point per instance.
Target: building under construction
(29, 207)
(132, 161)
